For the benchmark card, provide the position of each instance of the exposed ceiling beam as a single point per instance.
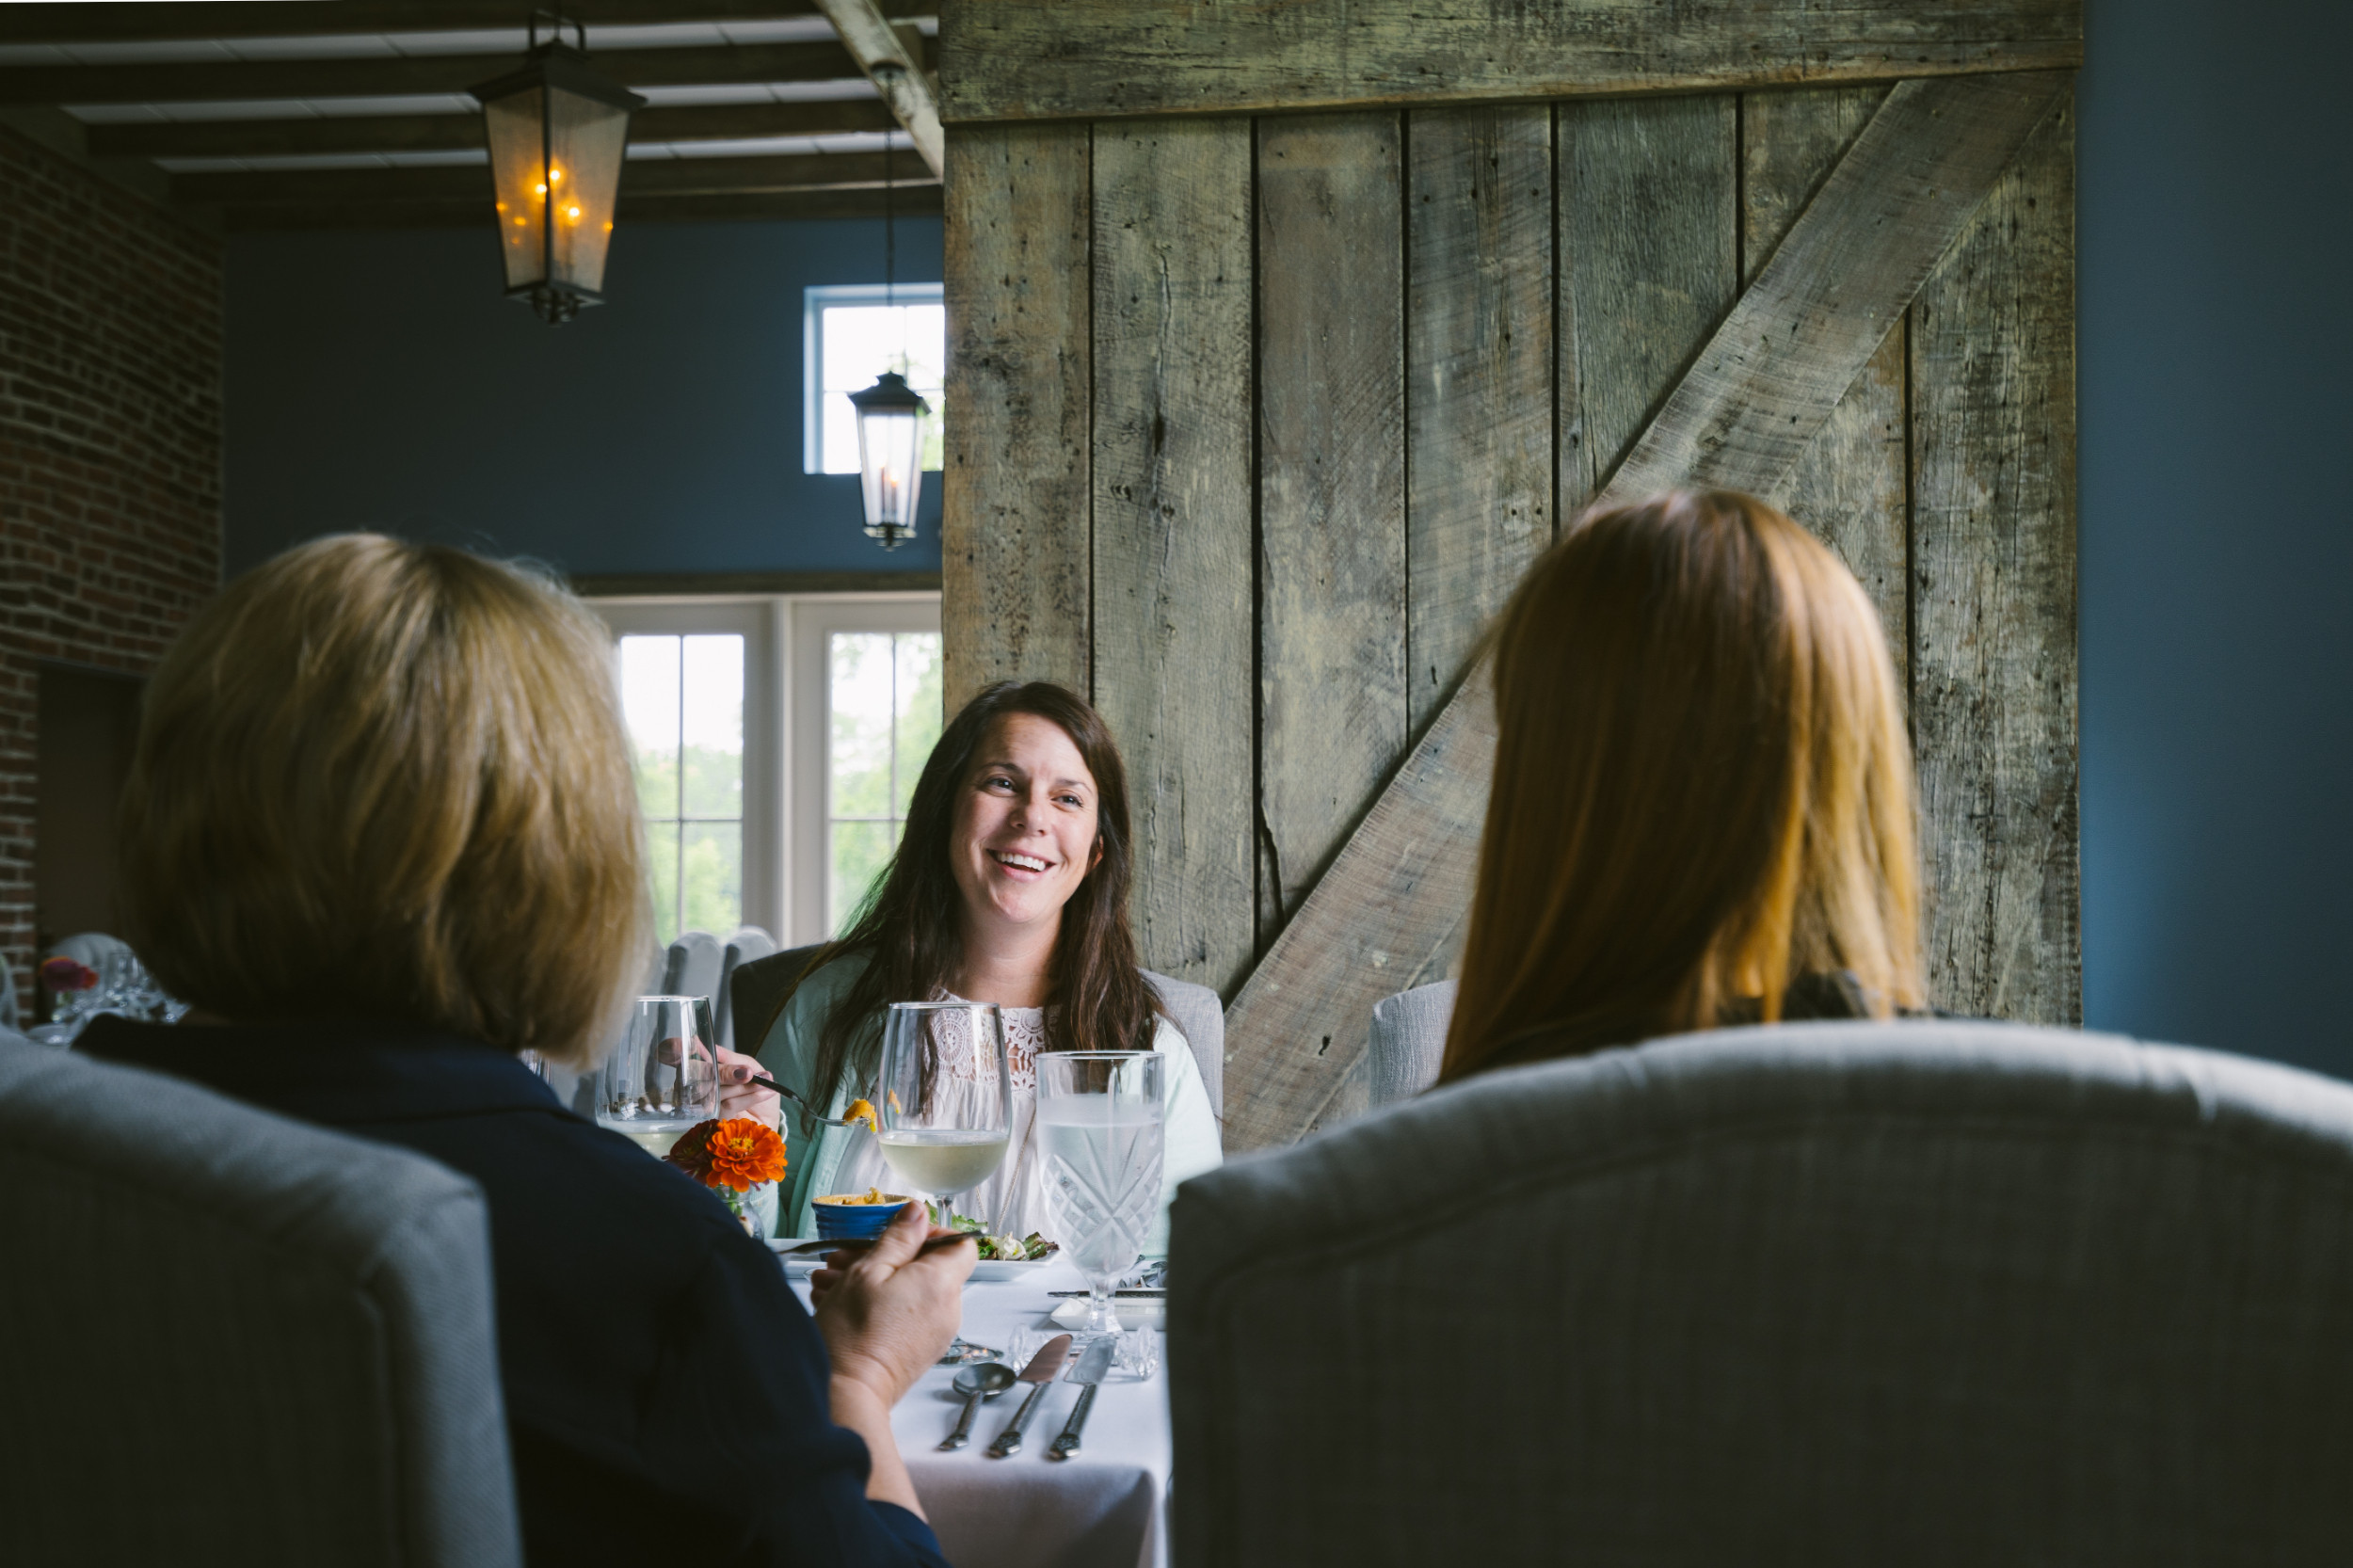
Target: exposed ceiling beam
(448, 133)
(894, 62)
(762, 206)
(179, 83)
(388, 187)
(82, 22)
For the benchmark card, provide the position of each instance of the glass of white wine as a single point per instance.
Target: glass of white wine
(944, 1101)
(663, 1079)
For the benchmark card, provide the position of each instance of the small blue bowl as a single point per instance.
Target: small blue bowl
(847, 1222)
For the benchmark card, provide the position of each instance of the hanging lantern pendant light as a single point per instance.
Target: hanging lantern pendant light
(890, 424)
(890, 456)
(558, 134)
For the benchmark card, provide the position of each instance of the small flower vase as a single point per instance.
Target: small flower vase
(756, 1208)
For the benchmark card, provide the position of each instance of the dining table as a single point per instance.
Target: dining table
(1104, 1507)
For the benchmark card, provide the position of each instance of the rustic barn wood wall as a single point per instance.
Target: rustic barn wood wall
(1257, 416)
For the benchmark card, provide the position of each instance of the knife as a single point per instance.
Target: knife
(1044, 1368)
(1089, 1376)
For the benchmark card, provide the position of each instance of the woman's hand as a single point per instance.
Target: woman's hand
(740, 1097)
(888, 1313)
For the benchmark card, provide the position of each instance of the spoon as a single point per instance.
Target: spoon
(983, 1382)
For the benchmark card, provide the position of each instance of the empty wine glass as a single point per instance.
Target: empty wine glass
(1100, 1127)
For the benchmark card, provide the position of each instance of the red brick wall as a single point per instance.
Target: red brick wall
(110, 456)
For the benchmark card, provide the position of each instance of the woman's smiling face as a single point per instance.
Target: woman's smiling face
(1024, 834)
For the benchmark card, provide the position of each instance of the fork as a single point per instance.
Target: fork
(806, 1109)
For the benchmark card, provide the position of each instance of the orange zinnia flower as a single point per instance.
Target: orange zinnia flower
(744, 1153)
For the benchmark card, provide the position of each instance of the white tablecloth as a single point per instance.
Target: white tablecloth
(1107, 1507)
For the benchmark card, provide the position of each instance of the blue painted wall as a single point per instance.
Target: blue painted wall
(2216, 337)
(382, 381)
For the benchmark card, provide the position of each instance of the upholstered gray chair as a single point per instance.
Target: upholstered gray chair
(1200, 1017)
(696, 960)
(748, 945)
(1408, 1041)
(231, 1338)
(1836, 1293)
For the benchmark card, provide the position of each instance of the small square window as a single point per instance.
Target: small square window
(853, 333)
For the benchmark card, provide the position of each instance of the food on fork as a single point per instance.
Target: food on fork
(861, 1111)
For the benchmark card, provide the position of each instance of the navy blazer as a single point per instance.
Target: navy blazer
(666, 1393)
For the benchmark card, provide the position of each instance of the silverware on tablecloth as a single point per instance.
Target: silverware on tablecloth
(983, 1382)
(1150, 1292)
(1044, 1368)
(1089, 1375)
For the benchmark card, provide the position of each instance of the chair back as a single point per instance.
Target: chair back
(1200, 1017)
(757, 987)
(233, 1337)
(1408, 1041)
(749, 945)
(693, 970)
(1924, 1292)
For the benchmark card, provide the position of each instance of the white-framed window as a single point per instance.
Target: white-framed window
(853, 332)
(775, 741)
(867, 707)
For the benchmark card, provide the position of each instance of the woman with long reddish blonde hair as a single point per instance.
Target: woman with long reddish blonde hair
(1703, 808)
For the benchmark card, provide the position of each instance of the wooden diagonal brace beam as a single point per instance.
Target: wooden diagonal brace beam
(894, 68)
(1766, 383)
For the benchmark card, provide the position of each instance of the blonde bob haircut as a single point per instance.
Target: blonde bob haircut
(390, 780)
(1702, 788)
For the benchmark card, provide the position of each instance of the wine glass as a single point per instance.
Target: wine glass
(944, 1103)
(1100, 1127)
(663, 1079)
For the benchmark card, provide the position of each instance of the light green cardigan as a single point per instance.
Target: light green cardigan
(789, 1055)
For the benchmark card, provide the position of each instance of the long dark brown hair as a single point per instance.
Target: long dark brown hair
(908, 930)
(1702, 788)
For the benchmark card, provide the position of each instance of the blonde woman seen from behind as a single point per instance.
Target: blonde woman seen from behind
(1703, 808)
(380, 830)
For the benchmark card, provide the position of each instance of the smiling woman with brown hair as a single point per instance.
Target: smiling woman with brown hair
(1008, 887)
(1702, 807)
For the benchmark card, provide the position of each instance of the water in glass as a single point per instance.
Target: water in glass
(1100, 1130)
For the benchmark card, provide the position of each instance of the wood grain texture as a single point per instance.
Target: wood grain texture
(1649, 263)
(1994, 563)
(1408, 882)
(1016, 561)
(1332, 661)
(1849, 485)
(1295, 1036)
(1771, 375)
(1016, 59)
(895, 68)
(1173, 592)
(1479, 377)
